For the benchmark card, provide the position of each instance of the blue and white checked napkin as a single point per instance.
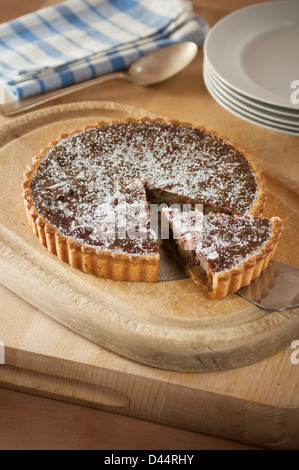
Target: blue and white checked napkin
(76, 40)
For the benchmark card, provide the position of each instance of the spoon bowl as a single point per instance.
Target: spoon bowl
(162, 64)
(152, 68)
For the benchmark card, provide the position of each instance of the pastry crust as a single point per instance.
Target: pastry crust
(109, 264)
(229, 280)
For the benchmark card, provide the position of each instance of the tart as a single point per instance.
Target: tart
(83, 192)
(221, 253)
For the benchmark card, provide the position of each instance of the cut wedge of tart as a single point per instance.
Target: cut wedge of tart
(221, 253)
(83, 192)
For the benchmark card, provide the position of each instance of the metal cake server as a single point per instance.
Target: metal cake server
(277, 288)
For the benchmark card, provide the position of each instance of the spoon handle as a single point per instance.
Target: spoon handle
(28, 103)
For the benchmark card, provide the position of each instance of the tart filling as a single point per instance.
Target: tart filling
(221, 253)
(86, 192)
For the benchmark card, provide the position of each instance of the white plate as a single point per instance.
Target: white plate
(249, 117)
(255, 51)
(250, 106)
(279, 110)
(244, 114)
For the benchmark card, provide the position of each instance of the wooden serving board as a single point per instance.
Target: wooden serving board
(160, 352)
(171, 325)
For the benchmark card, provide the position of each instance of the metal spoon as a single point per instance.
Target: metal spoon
(154, 67)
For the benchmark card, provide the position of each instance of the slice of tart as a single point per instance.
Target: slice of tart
(221, 253)
(82, 192)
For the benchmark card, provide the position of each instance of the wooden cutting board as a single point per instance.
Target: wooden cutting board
(171, 324)
(149, 342)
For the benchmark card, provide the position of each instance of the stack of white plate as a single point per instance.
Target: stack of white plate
(251, 64)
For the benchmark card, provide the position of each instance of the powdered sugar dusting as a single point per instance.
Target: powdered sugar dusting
(222, 240)
(82, 179)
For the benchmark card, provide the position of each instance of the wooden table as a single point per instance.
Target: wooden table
(37, 422)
